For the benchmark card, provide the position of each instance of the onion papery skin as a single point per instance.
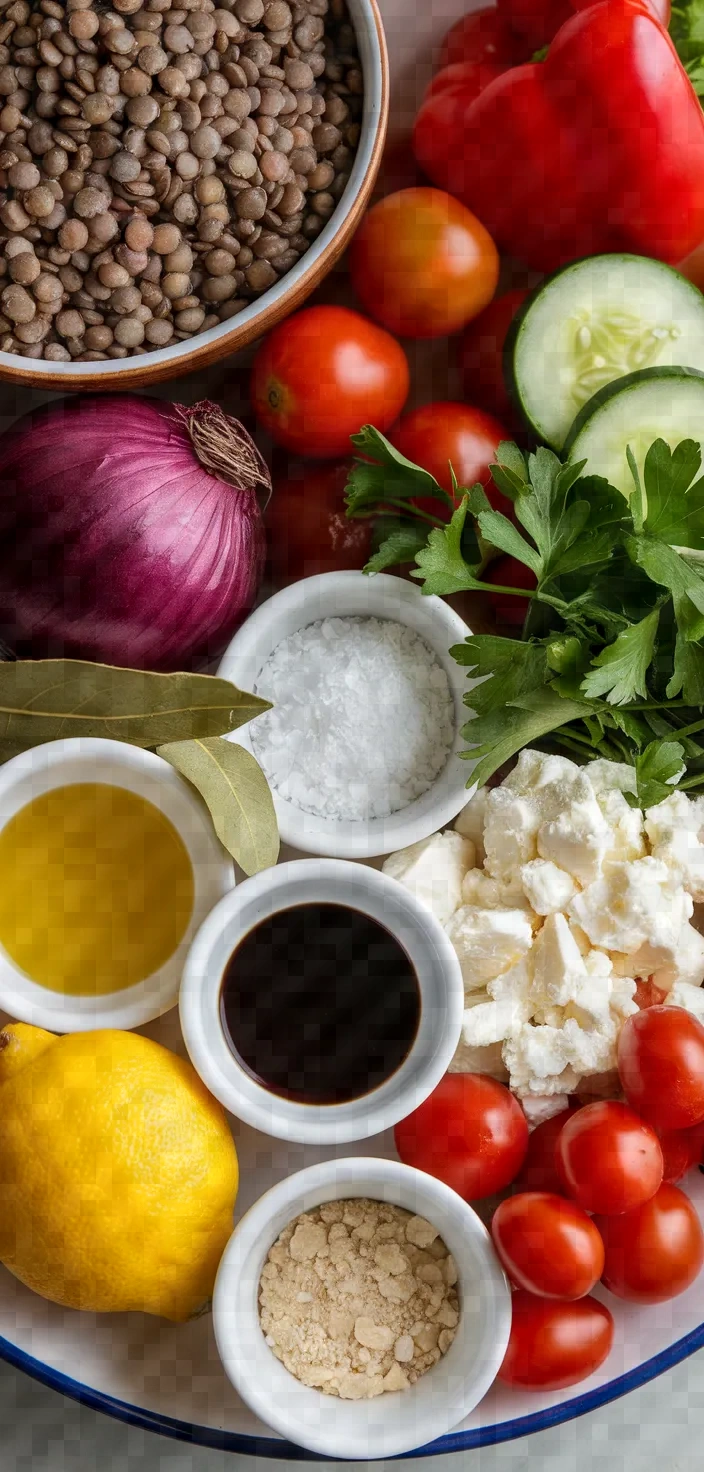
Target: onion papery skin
(116, 544)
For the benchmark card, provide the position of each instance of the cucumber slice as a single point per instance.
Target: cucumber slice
(594, 321)
(657, 403)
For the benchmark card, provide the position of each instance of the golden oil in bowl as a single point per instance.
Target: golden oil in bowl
(96, 889)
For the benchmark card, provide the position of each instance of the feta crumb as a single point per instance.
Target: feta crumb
(540, 1107)
(607, 776)
(637, 908)
(479, 889)
(689, 997)
(433, 871)
(470, 822)
(510, 833)
(688, 965)
(559, 967)
(488, 942)
(546, 887)
(577, 840)
(466, 1059)
(675, 828)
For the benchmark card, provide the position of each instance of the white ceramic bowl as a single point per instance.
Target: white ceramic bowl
(79, 759)
(198, 352)
(424, 941)
(390, 1423)
(340, 594)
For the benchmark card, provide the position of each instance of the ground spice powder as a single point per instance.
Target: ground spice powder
(359, 1297)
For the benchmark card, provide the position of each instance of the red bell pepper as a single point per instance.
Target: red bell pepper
(600, 147)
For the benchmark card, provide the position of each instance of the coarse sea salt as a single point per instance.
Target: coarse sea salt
(362, 720)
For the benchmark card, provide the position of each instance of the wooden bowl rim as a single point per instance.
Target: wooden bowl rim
(138, 373)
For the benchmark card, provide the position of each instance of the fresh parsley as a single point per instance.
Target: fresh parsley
(611, 659)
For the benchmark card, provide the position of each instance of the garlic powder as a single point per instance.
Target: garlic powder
(359, 1297)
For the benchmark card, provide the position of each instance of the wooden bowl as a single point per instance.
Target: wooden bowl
(289, 293)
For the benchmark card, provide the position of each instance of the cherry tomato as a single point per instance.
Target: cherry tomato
(555, 1344)
(510, 609)
(661, 1063)
(548, 1245)
(322, 374)
(654, 1252)
(482, 352)
(483, 35)
(608, 1159)
(681, 1150)
(443, 434)
(470, 1133)
(308, 531)
(539, 1171)
(647, 994)
(422, 264)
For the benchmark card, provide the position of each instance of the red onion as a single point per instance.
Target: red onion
(130, 531)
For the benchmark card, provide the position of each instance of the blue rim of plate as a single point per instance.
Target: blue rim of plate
(267, 1446)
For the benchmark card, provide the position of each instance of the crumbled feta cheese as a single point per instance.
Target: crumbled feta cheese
(688, 965)
(676, 830)
(627, 828)
(546, 887)
(559, 967)
(510, 833)
(638, 908)
(488, 942)
(479, 889)
(689, 997)
(577, 840)
(489, 1060)
(611, 777)
(540, 1107)
(433, 871)
(571, 895)
(470, 822)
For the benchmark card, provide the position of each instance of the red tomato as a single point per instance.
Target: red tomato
(647, 994)
(482, 355)
(510, 573)
(470, 1133)
(539, 1171)
(322, 374)
(443, 434)
(661, 1063)
(548, 1245)
(308, 531)
(555, 1344)
(483, 35)
(654, 1252)
(608, 1159)
(681, 1150)
(422, 264)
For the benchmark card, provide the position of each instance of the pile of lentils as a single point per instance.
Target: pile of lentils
(162, 164)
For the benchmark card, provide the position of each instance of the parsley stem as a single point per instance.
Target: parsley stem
(695, 781)
(689, 730)
(399, 504)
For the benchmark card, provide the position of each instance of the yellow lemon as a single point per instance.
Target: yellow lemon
(118, 1173)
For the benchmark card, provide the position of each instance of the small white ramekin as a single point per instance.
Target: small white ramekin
(334, 881)
(392, 1423)
(339, 595)
(80, 760)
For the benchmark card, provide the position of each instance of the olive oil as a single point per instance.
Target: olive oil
(96, 889)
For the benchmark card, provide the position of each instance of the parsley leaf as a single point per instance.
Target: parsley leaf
(386, 476)
(505, 731)
(674, 498)
(501, 669)
(666, 567)
(401, 545)
(441, 564)
(688, 675)
(499, 532)
(619, 671)
(658, 769)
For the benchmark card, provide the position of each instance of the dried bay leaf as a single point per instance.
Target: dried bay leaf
(50, 699)
(237, 794)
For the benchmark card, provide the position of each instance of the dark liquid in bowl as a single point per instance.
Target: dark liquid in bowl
(320, 1004)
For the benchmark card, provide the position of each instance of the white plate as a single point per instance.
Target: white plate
(168, 1377)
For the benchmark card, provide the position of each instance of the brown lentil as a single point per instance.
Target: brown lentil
(163, 163)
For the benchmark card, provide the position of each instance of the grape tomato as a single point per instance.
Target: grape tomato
(555, 1344)
(608, 1159)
